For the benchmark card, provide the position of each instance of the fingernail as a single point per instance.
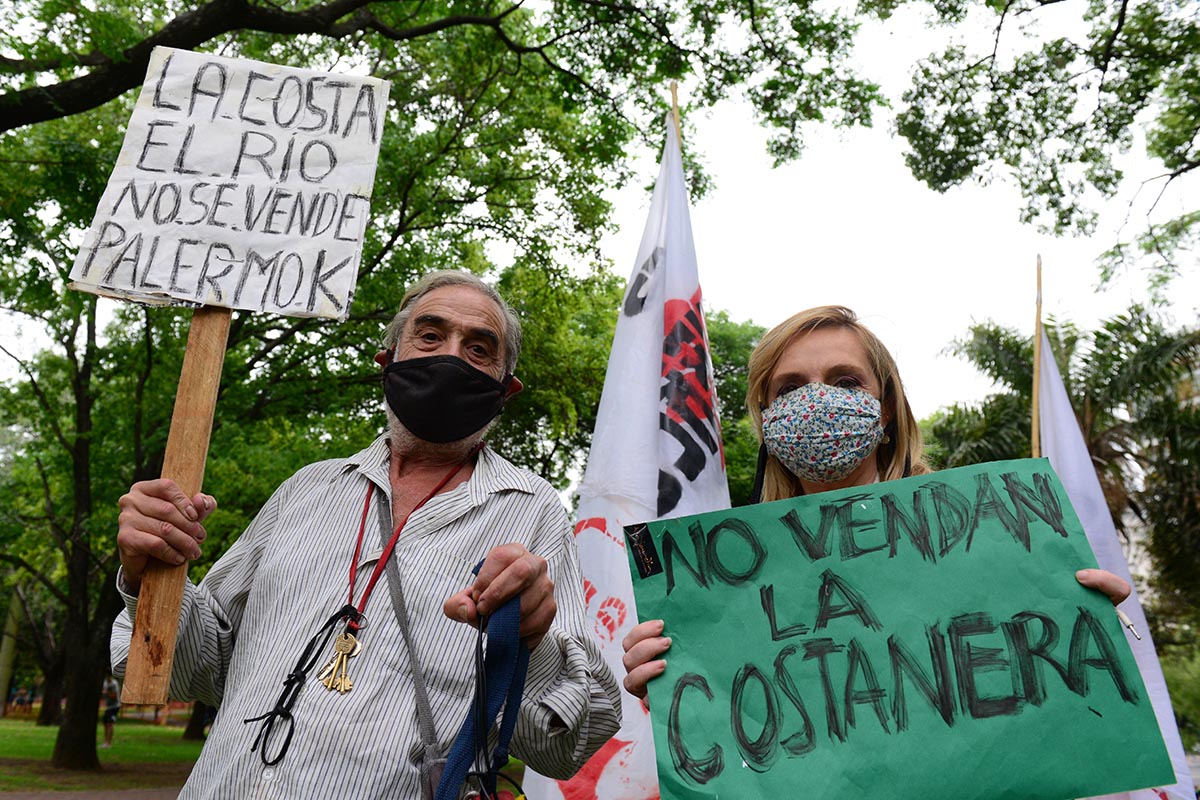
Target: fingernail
(463, 613)
(177, 558)
(189, 511)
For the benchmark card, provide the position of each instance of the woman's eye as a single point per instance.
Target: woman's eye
(848, 382)
(782, 390)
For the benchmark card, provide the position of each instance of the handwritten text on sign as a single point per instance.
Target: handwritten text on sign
(239, 184)
(917, 638)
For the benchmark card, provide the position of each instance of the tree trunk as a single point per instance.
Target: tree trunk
(195, 727)
(8, 650)
(75, 746)
(87, 640)
(85, 636)
(52, 692)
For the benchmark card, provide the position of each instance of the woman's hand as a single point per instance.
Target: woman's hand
(643, 647)
(1114, 586)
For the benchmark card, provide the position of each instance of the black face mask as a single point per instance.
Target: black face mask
(442, 398)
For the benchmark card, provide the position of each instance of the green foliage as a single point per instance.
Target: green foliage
(568, 326)
(741, 458)
(1170, 497)
(994, 430)
(1177, 638)
(1057, 113)
(1182, 673)
(730, 344)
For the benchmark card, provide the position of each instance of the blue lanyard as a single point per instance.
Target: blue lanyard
(499, 681)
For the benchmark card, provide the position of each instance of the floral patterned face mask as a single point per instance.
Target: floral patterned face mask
(822, 433)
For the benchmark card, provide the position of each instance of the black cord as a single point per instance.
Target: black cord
(292, 685)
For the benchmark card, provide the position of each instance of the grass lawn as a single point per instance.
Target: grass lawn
(143, 755)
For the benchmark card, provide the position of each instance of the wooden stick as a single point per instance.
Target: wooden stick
(1038, 355)
(675, 113)
(152, 649)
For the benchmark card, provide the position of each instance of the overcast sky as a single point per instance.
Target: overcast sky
(848, 224)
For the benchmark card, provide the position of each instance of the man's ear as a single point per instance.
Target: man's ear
(514, 386)
(383, 357)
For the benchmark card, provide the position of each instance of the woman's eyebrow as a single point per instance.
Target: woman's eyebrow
(839, 369)
(853, 368)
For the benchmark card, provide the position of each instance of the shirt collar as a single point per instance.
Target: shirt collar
(493, 473)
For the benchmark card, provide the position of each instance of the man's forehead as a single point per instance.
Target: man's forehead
(464, 305)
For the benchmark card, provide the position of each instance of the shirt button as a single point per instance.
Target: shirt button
(268, 773)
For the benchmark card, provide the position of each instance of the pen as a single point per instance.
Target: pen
(1128, 623)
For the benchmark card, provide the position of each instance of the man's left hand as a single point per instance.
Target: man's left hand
(509, 571)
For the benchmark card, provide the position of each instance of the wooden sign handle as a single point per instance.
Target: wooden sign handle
(152, 649)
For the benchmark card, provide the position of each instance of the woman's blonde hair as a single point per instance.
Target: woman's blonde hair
(898, 457)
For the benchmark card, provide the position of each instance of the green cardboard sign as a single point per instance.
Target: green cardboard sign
(923, 637)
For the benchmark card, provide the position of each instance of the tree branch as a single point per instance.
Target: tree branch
(42, 399)
(192, 29)
(1106, 57)
(56, 531)
(21, 564)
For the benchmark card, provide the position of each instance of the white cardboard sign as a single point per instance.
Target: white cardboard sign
(240, 184)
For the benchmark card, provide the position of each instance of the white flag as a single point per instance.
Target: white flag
(656, 452)
(1063, 444)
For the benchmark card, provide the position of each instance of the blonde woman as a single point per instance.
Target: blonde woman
(822, 371)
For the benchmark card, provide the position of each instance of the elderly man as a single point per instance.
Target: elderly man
(389, 536)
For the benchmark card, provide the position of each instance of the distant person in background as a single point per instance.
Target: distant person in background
(111, 693)
(21, 701)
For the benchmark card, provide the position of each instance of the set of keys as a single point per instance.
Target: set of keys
(333, 675)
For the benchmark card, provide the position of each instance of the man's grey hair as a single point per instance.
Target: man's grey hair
(453, 277)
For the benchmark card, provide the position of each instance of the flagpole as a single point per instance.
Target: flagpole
(1036, 440)
(675, 113)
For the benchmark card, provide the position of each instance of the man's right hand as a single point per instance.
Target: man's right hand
(159, 521)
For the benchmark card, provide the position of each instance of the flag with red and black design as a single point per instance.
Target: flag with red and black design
(656, 452)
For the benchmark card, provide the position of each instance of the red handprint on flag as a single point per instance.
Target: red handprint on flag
(596, 774)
